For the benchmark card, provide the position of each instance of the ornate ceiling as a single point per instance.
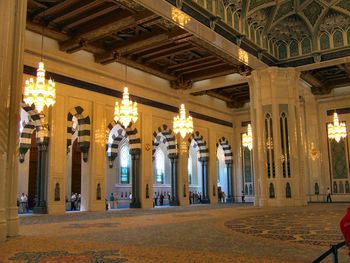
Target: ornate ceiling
(285, 30)
(126, 32)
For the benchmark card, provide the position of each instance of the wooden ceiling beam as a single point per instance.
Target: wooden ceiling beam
(75, 11)
(152, 70)
(199, 66)
(161, 52)
(345, 67)
(204, 68)
(54, 9)
(147, 40)
(47, 31)
(212, 74)
(106, 27)
(35, 4)
(191, 62)
(68, 25)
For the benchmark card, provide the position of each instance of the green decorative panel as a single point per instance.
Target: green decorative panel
(344, 4)
(283, 10)
(338, 38)
(348, 37)
(313, 11)
(282, 50)
(293, 48)
(221, 9)
(229, 17)
(247, 166)
(246, 27)
(252, 34)
(324, 42)
(275, 50)
(236, 21)
(338, 159)
(306, 46)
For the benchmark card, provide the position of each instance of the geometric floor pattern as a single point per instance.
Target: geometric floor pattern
(309, 227)
(199, 233)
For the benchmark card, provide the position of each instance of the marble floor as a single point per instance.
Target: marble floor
(200, 233)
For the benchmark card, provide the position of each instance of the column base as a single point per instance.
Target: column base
(135, 205)
(40, 210)
(205, 201)
(174, 203)
(230, 200)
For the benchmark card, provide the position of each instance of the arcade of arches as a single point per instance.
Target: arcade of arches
(77, 147)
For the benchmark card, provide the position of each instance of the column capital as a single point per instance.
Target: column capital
(135, 152)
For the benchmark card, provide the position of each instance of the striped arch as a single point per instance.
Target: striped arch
(227, 149)
(83, 130)
(165, 135)
(130, 132)
(196, 140)
(35, 123)
(117, 136)
(25, 140)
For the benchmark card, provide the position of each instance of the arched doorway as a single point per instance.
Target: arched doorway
(119, 181)
(33, 172)
(194, 175)
(164, 167)
(221, 175)
(78, 144)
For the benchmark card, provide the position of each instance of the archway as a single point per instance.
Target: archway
(198, 151)
(224, 170)
(77, 184)
(28, 167)
(164, 167)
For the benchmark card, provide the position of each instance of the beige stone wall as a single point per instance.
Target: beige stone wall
(100, 108)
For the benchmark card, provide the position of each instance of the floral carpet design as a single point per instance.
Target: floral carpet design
(303, 227)
(109, 256)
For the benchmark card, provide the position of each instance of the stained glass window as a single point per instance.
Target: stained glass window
(160, 159)
(124, 164)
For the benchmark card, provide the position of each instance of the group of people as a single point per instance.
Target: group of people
(160, 197)
(22, 203)
(75, 202)
(112, 200)
(195, 197)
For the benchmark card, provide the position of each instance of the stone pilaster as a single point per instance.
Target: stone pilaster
(135, 178)
(174, 198)
(205, 195)
(182, 173)
(12, 28)
(229, 198)
(274, 94)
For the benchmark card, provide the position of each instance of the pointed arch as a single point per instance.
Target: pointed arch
(227, 149)
(165, 135)
(83, 130)
(35, 123)
(117, 133)
(196, 140)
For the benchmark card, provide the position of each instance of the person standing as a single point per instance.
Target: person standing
(111, 201)
(72, 202)
(243, 197)
(155, 199)
(329, 195)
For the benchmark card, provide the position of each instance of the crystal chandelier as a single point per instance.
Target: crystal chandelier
(127, 111)
(247, 138)
(39, 93)
(336, 130)
(182, 124)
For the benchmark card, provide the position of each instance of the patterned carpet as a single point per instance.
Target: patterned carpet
(219, 233)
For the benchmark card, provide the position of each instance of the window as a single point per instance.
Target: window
(124, 164)
(189, 168)
(160, 159)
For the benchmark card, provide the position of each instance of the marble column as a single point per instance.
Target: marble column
(182, 172)
(174, 199)
(275, 114)
(41, 179)
(229, 198)
(12, 29)
(135, 178)
(205, 196)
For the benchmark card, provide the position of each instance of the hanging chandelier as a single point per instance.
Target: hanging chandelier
(39, 93)
(182, 124)
(336, 130)
(247, 138)
(126, 112)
